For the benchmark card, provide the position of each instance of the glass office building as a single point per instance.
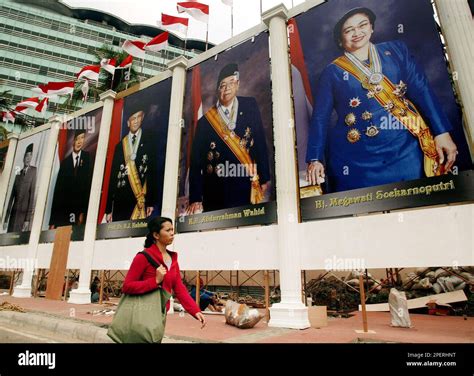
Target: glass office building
(43, 41)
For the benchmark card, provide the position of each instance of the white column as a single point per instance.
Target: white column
(291, 312)
(7, 170)
(82, 295)
(24, 290)
(170, 189)
(458, 29)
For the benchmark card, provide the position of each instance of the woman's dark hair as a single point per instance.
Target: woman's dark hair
(338, 28)
(154, 225)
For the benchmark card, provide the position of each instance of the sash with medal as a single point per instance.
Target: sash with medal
(134, 180)
(391, 98)
(241, 153)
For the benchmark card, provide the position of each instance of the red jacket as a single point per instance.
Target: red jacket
(141, 278)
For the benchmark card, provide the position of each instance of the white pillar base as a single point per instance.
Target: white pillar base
(291, 316)
(22, 291)
(80, 296)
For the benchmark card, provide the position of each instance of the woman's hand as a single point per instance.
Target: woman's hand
(315, 173)
(202, 319)
(444, 144)
(160, 274)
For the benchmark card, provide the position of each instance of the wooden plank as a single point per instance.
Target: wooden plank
(267, 295)
(12, 283)
(57, 268)
(362, 301)
(445, 298)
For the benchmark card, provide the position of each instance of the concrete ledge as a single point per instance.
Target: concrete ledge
(70, 329)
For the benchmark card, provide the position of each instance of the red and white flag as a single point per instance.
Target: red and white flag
(24, 105)
(42, 106)
(158, 43)
(172, 23)
(54, 88)
(126, 63)
(90, 72)
(135, 48)
(228, 2)
(198, 11)
(302, 95)
(30, 102)
(7, 116)
(109, 65)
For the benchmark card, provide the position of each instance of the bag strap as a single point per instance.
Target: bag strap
(150, 259)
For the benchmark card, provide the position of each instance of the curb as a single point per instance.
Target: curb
(69, 329)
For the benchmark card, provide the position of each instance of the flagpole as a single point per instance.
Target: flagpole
(207, 34)
(143, 65)
(112, 83)
(261, 8)
(129, 73)
(232, 20)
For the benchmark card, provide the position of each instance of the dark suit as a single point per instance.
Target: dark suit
(221, 192)
(72, 190)
(120, 199)
(21, 203)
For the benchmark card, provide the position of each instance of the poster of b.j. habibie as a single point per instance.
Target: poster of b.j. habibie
(374, 107)
(132, 190)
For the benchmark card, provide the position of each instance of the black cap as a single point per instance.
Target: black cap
(78, 132)
(229, 70)
(133, 104)
(338, 27)
(29, 149)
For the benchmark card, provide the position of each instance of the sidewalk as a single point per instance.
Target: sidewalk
(182, 327)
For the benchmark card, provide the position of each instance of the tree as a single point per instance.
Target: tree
(5, 101)
(105, 79)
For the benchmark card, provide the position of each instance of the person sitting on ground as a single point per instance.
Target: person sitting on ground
(95, 290)
(207, 298)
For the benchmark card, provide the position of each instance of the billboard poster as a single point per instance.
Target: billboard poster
(71, 176)
(227, 156)
(377, 121)
(22, 189)
(132, 190)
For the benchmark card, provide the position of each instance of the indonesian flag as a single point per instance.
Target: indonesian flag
(8, 116)
(135, 48)
(30, 102)
(42, 106)
(198, 11)
(126, 63)
(54, 88)
(158, 43)
(302, 96)
(178, 24)
(20, 109)
(109, 65)
(90, 72)
(23, 106)
(197, 113)
(228, 2)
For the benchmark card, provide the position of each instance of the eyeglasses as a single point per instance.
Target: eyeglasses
(230, 85)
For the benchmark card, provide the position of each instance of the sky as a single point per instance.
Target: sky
(148, 12)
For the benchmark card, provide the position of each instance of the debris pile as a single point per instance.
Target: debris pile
(6, 306)
(333, 293)
(342, 294)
